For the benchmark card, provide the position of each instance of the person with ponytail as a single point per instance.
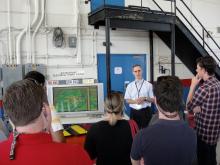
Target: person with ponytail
(114, 108)
(109, 141)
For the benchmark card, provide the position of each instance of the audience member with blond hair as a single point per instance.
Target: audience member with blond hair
(109, 141)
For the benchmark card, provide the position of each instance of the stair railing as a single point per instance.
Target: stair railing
(175, 11)
(202, 36)
(204, 43)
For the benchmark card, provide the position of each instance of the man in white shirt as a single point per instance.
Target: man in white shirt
(139, 95)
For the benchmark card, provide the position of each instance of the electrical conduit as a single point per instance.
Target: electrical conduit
(36, 30)
(9, 33)
(19, 37)
(28, 34)
(78, 46)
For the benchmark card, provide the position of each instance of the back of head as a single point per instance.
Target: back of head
(34, 75)
(208, 63)
(114, 106)
(23, 102)
(168, 91)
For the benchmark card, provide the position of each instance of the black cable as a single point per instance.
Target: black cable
(58, 38)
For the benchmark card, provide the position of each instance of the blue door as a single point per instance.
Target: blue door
(121, 70)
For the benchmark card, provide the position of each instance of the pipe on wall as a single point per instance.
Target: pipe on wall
(18, 45)
(94, 47)
(36, 16)
(9, 33)
(78, 46)
(36, 12)
(21, 34)
(28, 33)
(2, 53)
(36, 29)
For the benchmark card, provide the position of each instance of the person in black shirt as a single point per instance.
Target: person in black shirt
(169, 141)
(109, 141)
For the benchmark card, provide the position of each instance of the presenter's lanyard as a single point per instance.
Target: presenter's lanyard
(138, 90)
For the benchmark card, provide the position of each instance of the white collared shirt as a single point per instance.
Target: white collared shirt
(136, 89)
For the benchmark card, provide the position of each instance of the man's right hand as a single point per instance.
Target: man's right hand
(195, 81)
(140, 100)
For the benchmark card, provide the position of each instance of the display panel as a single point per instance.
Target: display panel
(75, 98)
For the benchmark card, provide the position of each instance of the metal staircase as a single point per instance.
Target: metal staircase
(174, 29)
(190, 42)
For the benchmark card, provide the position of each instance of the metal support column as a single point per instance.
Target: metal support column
(173, 42)
(108, 64)
(173, 47)
(151, 56)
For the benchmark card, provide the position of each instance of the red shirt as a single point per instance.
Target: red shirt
(39, 149)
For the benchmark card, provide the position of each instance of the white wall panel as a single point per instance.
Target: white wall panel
(62, 13)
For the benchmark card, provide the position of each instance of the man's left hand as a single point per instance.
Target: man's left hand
(197, 109)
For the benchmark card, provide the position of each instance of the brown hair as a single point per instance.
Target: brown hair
(114, 105)
(208, 63)
(23, 102)
(39, 77)
(169, 93)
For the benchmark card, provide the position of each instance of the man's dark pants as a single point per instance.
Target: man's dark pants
(206, 153)
(141, 116)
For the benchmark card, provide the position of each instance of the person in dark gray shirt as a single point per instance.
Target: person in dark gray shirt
(169, 141)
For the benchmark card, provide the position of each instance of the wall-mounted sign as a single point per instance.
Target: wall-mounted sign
(72, 74)
(118, 70)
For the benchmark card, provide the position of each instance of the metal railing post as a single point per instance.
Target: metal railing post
(108, 54)
(175, 7)
(203, 38)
